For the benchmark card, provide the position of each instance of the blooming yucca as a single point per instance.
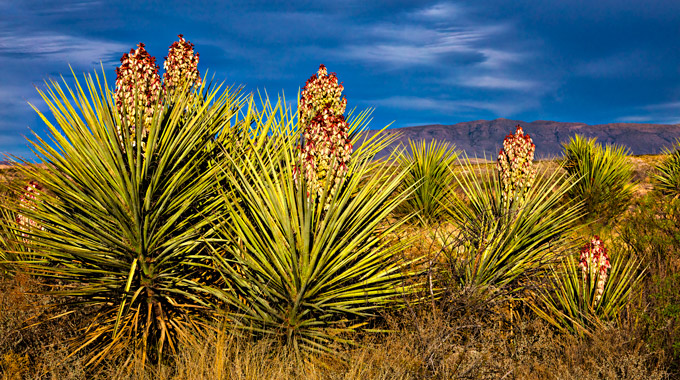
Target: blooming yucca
(180, 65)
(515, 165)
(137, 82)
(326, 146)
(594, 261)
(27, 201)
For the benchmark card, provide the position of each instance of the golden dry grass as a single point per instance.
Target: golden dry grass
(457, 337)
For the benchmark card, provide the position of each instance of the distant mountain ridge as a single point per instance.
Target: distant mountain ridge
(481, 137)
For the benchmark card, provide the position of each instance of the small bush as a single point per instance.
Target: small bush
(430, 177)
(589, 291)
(667, 178)
(306, 267)
(652, 233)
(602, 175)
(499, 240)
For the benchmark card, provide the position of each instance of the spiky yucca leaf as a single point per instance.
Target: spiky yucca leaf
(603, 175)
(301, 272)
(122, 220)
(667, 177)
(571, 301)
(429, 172)
(501, 240)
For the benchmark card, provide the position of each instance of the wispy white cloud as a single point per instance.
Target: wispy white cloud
(77, 51)
(460, 52)
(450, 107)
(668, 106)
(499, 59)
(444, 10)
(652, 119)
(498, 82)
(413, 45)
(662, 113)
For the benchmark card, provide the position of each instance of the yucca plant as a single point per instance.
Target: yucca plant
(583, 295)
(505, 241)
(429, 174)
(307, 270)
(667, 176)
(121, 220)
(603, 177)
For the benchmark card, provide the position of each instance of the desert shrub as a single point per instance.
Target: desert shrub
(587, 292)
(126, 204)
(306, 265)
(667, 176)
(602, 177)
(501, 239)
(429, 175)
(652, 233)
(32, 343)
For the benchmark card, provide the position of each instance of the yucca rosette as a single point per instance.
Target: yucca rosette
(27, 200)
(181, 65)
(515, 165)
(326, 147)
(137, 84)
(594, 264)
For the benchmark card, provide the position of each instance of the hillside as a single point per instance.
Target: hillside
(481, 137)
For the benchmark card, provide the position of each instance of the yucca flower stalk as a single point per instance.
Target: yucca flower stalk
(594, 263)
(14, 225)
(31, 192)
(515, 165)
(138, 89)
(180, 65)
(325, 147)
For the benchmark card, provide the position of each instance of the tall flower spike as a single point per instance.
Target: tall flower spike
(180, 65)
(325, 149)
(594, 261)
(515, 165)
(137, 79)
(27, 200)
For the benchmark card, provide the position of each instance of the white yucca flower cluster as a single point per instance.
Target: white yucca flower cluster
(515, 165)
(139, 83)
(594, 263)
(326, 147)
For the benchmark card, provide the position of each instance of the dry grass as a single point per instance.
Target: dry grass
(464, 335)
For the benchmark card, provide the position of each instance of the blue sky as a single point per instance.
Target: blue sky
(416, 62)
